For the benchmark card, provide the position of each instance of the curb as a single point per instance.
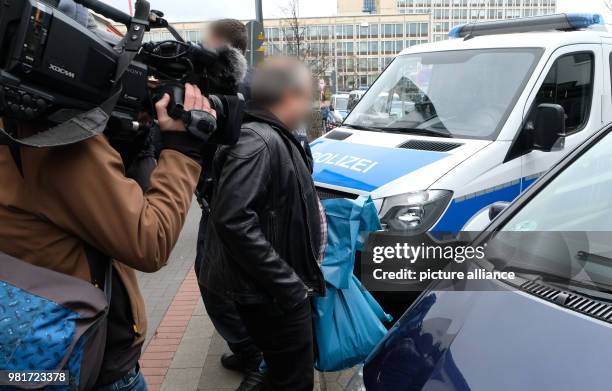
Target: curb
(160, 352)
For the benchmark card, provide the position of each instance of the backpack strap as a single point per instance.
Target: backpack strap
(101, 269)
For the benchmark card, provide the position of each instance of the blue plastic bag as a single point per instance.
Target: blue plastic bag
(348, 322)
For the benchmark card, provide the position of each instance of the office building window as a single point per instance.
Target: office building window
(373, 47)
(369, 6)
(388, 30)
(363, 48)
(374, 31)
(388, 47)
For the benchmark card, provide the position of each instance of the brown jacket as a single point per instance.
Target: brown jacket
(79, 193)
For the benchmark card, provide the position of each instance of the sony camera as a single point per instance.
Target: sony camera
(52, 68)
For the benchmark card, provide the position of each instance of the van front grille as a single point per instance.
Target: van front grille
(425, 145)
(338, 135)
(328, 194)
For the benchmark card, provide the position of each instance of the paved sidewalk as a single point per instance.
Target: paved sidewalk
(182, 351)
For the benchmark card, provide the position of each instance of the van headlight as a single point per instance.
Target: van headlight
(414, 213)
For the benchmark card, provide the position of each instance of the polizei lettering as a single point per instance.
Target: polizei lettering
(62, 71)
(349, 162)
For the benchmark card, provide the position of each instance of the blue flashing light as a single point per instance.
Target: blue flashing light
(562, 22)
(456, 31)
(582, 21)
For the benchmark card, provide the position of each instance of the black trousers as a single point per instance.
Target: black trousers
(286, 340)
(221, 310)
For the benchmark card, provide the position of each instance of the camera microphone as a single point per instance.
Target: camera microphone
(226, 67)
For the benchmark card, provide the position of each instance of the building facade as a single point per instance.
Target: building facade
(447, 14)
(348, 52)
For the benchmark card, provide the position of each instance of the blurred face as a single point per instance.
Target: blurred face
(213, 41)
(297, 104)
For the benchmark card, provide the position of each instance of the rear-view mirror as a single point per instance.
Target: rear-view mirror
(548, 126)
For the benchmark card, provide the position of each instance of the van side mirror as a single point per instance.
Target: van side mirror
(548, 126)
(496, 209)
(483, 218)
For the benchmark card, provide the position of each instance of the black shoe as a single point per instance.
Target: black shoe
(253, 381)
(232, 362)
(248, 360)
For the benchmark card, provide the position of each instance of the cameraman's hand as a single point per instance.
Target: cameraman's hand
(194, 100)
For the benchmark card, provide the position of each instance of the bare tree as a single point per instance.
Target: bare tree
(318, 55)
(608, 4)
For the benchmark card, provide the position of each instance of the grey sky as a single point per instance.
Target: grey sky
(193, 10)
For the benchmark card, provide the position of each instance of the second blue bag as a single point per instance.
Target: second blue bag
(348, 322)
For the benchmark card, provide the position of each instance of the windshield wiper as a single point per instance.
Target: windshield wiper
(361, 127)
(425, 132)
(595, 258)
(598, 291)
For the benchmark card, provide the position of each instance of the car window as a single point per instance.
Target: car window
(579, 199)
(569, 83)
(564, 230)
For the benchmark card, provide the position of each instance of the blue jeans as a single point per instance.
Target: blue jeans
(133, 381)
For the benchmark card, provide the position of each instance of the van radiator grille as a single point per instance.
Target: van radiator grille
(424, 145)
(328, 194)
(582, 304)
(338, 135)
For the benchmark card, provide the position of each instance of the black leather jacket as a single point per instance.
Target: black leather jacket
(265, 230)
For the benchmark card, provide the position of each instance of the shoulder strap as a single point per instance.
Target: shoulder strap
(83, 126)
(101, 267)
(75, 129)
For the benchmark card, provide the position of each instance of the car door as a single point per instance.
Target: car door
(573, 79)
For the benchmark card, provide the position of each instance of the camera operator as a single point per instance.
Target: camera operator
(245, 356)
(63, 201)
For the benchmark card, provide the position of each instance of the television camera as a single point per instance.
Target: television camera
(56, 70)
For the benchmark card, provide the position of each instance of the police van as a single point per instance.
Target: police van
(451, 128)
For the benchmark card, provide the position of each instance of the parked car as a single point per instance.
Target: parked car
(547, 329)
(339, 106)
(453, 127)
(354, 98)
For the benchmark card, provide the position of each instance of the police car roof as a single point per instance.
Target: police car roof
(545, 39)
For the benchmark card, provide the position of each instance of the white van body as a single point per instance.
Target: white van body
(423, 182)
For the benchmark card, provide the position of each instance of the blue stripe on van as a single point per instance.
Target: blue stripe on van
(365, 167)
(460, 212)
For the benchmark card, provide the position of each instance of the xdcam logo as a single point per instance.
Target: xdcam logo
(62, 71)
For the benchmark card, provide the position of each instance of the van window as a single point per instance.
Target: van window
(569, 83)
(455, 93)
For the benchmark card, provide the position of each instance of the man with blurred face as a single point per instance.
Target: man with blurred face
(245, 357)
(268, 224)
(230, 32)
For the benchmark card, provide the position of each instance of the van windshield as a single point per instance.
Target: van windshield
(466, 94)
